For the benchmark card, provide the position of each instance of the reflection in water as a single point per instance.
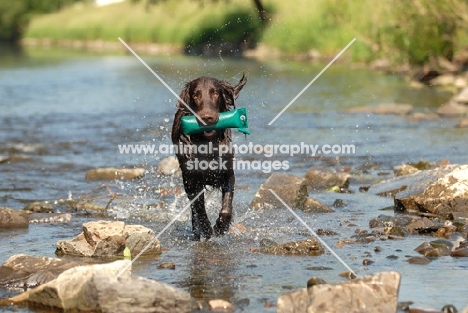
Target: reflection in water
(211, 270)
(11, 54)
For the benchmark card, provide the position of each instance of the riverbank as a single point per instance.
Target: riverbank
(302, 30)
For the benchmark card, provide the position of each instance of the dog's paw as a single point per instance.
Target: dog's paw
(222, 224)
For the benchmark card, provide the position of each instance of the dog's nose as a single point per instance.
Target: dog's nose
(208, 119)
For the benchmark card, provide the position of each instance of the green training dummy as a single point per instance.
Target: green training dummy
(230, 119)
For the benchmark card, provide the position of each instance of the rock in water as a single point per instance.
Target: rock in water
(39, 207)
(463, 252)
(439, 191)
(462, 97)
(418, 260)
(302, 247)
(405, 169)
(98, 288)
(106, 238)
(373, 294)
(10, 218)
(219, 305)
(22, 270)
(321, 179)
(452, 108)
(111, 173)
(315, 281)
(463, 123)
(291, 189)
(167, 265)
(314, 206)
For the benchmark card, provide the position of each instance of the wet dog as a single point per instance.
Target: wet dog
(207, 97)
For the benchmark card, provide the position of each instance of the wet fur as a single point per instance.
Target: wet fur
(207, 97)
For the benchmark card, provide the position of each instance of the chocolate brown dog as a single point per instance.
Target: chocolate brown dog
(207, 97)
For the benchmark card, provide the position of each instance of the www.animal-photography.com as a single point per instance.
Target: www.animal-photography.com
(233, 156)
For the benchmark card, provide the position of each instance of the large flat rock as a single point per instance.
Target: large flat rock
(26, 271)
(10, 218)
(107, 288)
(291, 189)
(322, 178)
(108, 239)
(370, 294)
(440, 191)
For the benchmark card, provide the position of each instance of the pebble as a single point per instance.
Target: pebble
(326, 232)
(463, 244)
(423, 248)
(434, 253)
(463, 252)
(219, 305)
(319, 268)
(39, 207)
(364, 188)
(419, 260)
(348, 274)
(404, 305)
(441, 243)
(167, 265)
(237, 229)
(315, 281)
(339, 203)
(367, 262)
(269, 304)
(394, 237)
(449, 309)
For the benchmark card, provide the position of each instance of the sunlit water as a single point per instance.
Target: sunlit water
(67, 113)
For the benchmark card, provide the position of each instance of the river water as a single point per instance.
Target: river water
(64, 112)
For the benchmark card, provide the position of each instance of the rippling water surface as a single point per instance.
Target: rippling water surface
(65, 113)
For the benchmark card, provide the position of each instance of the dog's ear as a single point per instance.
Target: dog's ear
(240, 85)
(230, 93)
(177, 136)
(185, 96)
(228, 97)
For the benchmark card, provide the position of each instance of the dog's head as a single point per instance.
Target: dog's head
(208, 97)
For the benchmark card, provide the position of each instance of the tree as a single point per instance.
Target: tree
(15, 15)
(262, 13)
(426, 29)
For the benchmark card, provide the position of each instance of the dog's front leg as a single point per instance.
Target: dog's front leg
(225, 215)
(200, 221)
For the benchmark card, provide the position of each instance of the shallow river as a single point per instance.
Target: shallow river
(63, 113)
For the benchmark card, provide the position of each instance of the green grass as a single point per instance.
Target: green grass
(327, 25)
(298, 27)
(395, 29)
(175, 22)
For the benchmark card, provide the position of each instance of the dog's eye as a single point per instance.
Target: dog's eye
(195, 97)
